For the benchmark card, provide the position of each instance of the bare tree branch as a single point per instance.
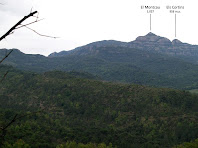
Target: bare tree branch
(4, 129)
(17, 24)
(16, 118)
(40, 34)
(6, 56)
(12, 121)
(29, 23)
(11, 31)
(4, 76)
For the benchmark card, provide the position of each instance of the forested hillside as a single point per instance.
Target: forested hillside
(83, 110)
(116, 64)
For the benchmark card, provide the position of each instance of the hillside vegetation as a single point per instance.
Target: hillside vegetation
(116, 64)
(78, 109)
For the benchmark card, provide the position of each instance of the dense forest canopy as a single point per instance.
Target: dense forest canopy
(82, 110)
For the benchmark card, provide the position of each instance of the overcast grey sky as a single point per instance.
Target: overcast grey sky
(79, 22)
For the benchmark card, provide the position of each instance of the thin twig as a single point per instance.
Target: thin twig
(40, 34)
(29, 23)
(12, 121)
(31, 10)
(4, 76)
(6, 56)
(4, 129)
(22, 116)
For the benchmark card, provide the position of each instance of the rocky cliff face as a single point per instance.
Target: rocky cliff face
(152, 42)
(149, 42)
(151, 39)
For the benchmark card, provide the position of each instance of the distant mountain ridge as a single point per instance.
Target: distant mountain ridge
(89, 47)
(149, 60)
(149, 42)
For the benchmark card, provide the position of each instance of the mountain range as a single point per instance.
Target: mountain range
(149, 42)
(41, 105)
(149, 60)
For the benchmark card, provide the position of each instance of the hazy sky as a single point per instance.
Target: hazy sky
(79, 22)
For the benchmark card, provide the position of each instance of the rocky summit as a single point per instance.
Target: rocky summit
(149, 42)
(151, 39)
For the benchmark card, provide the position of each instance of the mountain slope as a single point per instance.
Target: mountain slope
(149, 42)
(149, 60)
(93, 111)
(116, 64)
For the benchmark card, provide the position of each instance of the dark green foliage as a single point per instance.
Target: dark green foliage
(193, 144)
(85, 111)
(81, 145)
(18, 144)
(117, 64)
